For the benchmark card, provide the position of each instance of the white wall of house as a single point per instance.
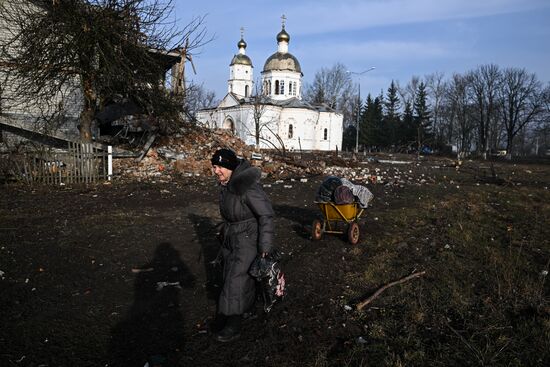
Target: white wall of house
(64, 107)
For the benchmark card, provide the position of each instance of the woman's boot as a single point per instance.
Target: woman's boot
(232, 329)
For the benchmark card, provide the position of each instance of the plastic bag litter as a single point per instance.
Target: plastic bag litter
(268, 273)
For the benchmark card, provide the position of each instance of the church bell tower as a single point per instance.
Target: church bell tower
(240, 71)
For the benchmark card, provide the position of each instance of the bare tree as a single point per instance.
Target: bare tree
(330, 86)
(458, 93)
(408, 93)
(437, 89)
(262, 121)
(98, 47)
(521, 103)
(542, 129)
(259, 103)
(197, 98)
(485, 82)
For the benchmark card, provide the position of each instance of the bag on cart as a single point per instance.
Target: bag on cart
(343, 195)
(326, 190)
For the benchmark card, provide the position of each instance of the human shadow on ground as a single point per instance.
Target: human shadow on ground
(302, 218)
(153, 330)
(207, 233)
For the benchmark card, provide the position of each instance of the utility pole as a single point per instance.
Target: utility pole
(358, 104)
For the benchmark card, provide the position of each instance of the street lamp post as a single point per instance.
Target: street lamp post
(358, 104)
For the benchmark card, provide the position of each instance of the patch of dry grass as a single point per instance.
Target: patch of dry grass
(485, 297)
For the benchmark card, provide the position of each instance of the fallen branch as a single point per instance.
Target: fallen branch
(362, 304)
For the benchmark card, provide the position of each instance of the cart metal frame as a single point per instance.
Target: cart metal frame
(338, 213)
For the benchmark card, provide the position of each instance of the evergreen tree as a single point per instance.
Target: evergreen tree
(392, 118)
(348, 138)
(371, 129)
(366, 129)
(407, 128)
(422, 116)
(377, 117)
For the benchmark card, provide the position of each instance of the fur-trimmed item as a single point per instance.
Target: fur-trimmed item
(248, 230)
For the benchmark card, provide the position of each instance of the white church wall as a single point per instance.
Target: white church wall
(331, 123)
(287, 77)
(303, 120)
(240, 82)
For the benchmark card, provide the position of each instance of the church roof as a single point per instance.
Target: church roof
(283, 36)
(241, 59)
(288, 103)
(231, 100)
(282, 61)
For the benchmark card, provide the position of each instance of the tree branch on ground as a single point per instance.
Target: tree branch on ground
(375, 295)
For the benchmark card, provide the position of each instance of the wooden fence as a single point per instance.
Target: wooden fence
(81, 163)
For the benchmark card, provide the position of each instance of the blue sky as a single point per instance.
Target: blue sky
(401, 38)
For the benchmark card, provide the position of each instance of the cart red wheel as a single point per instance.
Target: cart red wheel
(317, 229)
(353, 233)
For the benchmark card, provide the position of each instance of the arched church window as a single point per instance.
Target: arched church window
(229, 124)
(290, 131)
(282, 87)
(276, 87)
(246, 90)
(325, 134)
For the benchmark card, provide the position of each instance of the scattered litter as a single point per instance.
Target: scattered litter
(161, 285)
(303, 180)
(361, 340)
(394, 162)
(348, 308)
(287, 186)
(2, 274)
(136, 270)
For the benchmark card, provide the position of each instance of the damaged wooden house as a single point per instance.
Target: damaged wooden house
(75, 72)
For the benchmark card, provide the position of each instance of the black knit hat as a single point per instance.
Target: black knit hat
(225, 158)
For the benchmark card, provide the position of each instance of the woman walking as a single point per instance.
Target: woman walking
(247, 232)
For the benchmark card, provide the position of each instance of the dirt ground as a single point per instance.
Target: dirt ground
(119, 274)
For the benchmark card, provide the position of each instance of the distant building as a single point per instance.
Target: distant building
(274, 111)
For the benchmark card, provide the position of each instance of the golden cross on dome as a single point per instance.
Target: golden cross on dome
(242, 32)
(283, 17)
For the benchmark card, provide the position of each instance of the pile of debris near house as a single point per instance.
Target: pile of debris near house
(188, 153)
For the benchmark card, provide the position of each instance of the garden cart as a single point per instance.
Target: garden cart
(333, 216)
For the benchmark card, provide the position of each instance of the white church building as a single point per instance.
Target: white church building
(273, 114)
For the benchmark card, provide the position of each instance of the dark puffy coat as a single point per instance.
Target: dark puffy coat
(248, 231)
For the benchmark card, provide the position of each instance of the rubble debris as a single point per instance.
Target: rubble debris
(187, 154)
